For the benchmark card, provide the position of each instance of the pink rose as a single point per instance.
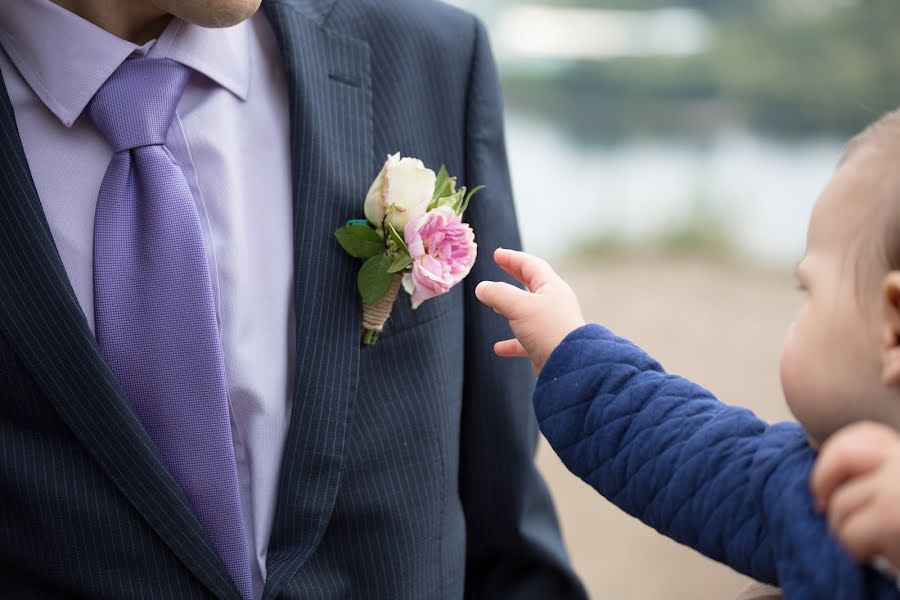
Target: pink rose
(443, 250)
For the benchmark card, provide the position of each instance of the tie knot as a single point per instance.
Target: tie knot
(136, 105)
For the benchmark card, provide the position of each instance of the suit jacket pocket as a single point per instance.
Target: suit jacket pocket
(404, 318)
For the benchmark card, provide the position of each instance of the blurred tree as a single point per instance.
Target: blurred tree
(714, 7)
(831, 72)
(787, 67)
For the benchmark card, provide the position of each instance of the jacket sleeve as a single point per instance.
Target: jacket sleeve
(514, 546)
(710, 476)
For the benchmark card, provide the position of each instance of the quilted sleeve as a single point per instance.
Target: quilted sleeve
(711, 476)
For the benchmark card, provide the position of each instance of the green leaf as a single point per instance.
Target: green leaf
(444, 186)
(398, 239)
(374, 279)
(459, 198)
(465, 204)
(401, 263)
(451, 201)
(360, 241)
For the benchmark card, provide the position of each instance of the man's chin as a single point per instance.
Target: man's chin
(210, 13)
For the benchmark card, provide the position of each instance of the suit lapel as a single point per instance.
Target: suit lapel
(43, 322)
(332, 156)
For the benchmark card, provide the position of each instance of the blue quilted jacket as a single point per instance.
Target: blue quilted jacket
(710, 476)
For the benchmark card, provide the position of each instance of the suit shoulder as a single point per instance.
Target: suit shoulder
(404, 13)
(428, 22)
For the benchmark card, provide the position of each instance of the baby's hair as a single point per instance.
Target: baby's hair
(883, 137)
(886, 128)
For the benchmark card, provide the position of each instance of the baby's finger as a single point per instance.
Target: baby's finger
(850, 452)
(510, 349)
(502, 297)
(849, 499)
(860, 535)
(525, 268)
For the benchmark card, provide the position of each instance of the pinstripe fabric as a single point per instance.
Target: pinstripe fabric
(438, 495)
(408, 469)
(331, 142)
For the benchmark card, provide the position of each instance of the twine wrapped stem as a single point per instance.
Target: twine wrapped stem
(374, 316)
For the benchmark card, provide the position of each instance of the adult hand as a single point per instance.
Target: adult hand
(856, 480)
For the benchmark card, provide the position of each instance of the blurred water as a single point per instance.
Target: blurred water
(759, 191)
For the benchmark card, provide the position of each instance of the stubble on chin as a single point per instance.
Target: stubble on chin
(210, 13)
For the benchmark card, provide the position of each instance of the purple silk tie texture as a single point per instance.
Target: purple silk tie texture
(155, 316)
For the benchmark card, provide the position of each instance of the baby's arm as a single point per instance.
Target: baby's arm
(665, 450)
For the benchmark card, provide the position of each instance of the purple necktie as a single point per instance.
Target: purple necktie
(153, 303)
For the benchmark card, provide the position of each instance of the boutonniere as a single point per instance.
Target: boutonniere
(413, 237)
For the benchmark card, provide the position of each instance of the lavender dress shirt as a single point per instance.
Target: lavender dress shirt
(231, 139)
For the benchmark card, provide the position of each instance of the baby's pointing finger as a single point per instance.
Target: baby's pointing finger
(502, 297)
(525, 268)
(510, 349)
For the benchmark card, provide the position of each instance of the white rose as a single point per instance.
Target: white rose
(402, 191)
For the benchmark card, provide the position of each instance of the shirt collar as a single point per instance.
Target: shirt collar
(223, 55)
(66, 59)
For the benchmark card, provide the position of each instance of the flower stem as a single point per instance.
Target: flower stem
(374, 316)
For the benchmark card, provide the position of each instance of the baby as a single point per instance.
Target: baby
(713, 476)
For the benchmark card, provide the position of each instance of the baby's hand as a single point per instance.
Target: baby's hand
(856, 479)
(541, 317)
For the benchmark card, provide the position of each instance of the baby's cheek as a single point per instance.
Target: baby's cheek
(810, 402)
(797, 382)
(791, 375)
(789, 358)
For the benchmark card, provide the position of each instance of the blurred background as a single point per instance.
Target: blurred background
(667, 155)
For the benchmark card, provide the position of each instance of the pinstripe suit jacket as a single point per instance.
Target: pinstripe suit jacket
(408, 467)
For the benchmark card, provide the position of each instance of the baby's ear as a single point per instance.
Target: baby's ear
(890, 363)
